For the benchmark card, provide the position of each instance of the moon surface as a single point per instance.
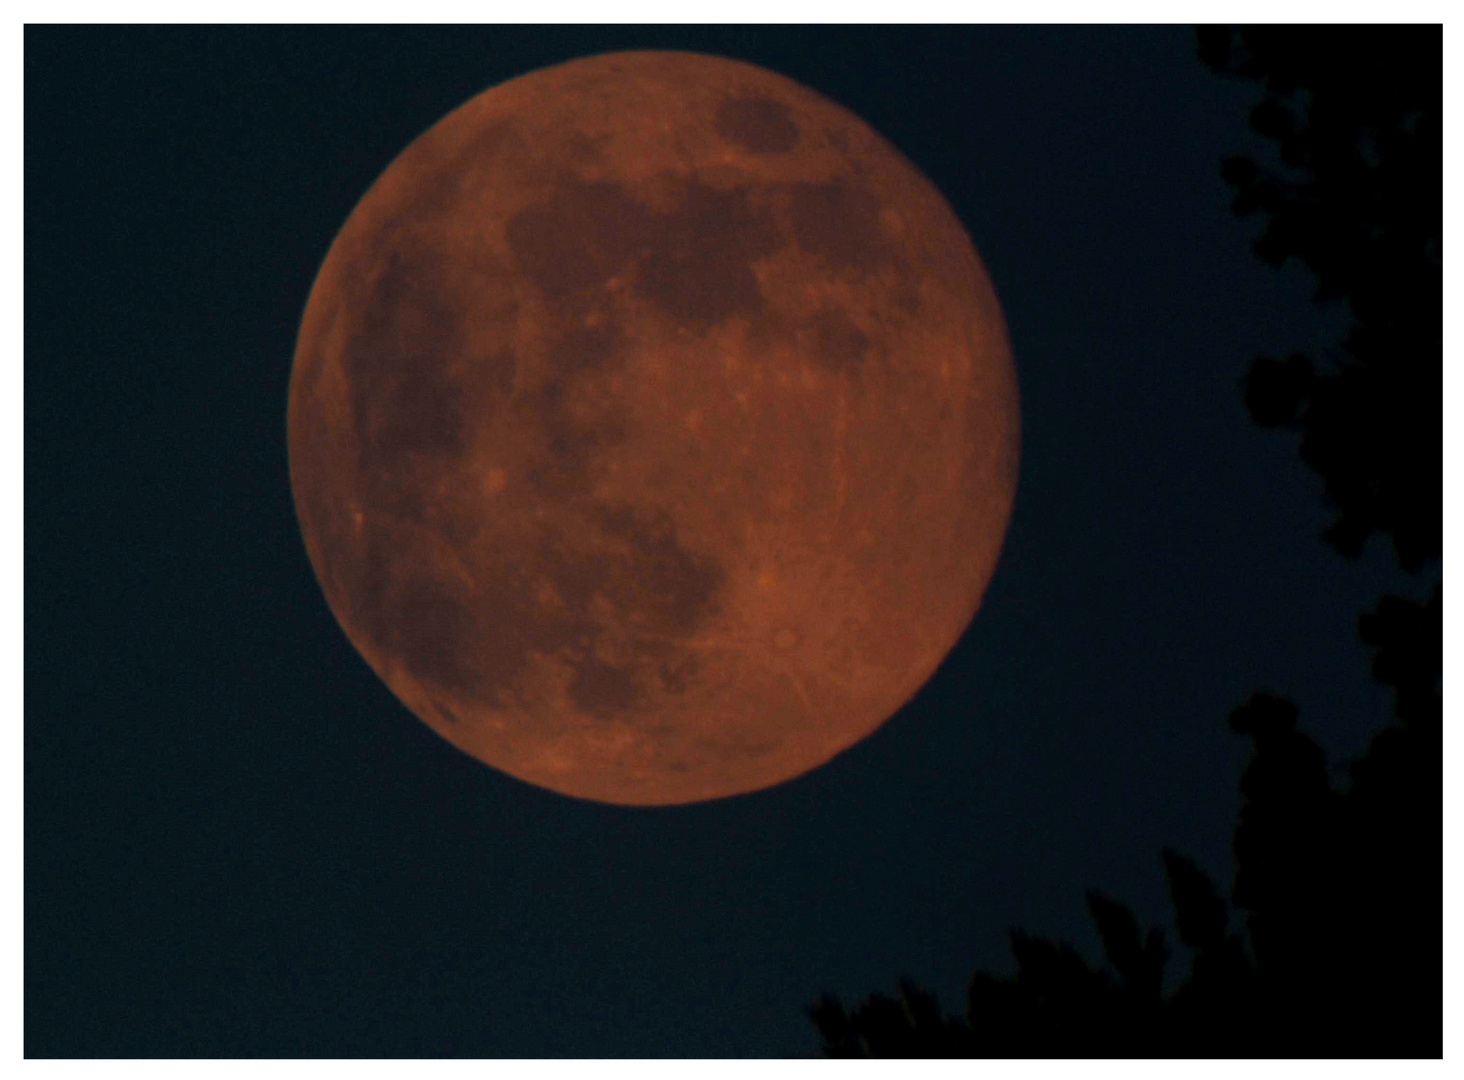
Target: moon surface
(653, 428)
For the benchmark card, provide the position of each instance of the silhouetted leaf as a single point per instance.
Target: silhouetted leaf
(1263, 713)
(1199, 912)
(1275, 390)
(1119, 931)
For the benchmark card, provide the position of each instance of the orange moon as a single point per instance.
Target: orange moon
(653, 428)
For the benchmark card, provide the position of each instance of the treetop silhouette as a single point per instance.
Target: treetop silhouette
(1338, 892)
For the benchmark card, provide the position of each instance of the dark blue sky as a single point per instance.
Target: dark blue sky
(238, 842)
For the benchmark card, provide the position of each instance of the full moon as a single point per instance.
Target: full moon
(653, 429)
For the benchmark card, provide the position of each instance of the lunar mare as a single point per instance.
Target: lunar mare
(653, 428)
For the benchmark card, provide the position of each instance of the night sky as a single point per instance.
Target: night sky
(238, 842)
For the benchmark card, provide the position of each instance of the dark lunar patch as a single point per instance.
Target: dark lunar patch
(497, 373)
(448, 716)
(430, 630)
(454, 523)
(584, 235)
(657, 592)
(473, 645)
(478, 640)
(907, 294)
(570, 445)
(694, 261)
(514, 627)
(699, 270)
(840, 222)
(623, 565)
(758, 124)
(423, 415)
(584, 349)
(397, 362)
(575, 573)
(602, 689)
(837, 343)
(572, 441)
(678, 669)
(369, 590)
(668, 586)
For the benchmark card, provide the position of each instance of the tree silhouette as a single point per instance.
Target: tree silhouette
(1341, 890)
(1358, 199)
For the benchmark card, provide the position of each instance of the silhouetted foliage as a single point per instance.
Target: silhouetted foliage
(1356, 115)
(1338, 893)
(908, 1027)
